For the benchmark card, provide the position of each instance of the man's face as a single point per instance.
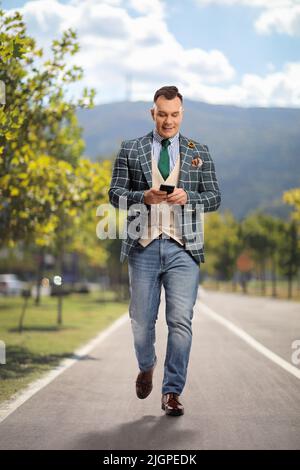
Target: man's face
(167, 115)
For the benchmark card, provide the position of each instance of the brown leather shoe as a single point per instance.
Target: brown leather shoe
(143, 384)
(171, 405)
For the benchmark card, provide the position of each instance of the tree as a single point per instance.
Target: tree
(257, 239)
(38, 129)
(292, 197)
(292, 254)
(221, 239)
(47, 188)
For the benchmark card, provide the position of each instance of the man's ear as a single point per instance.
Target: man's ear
(152, 113)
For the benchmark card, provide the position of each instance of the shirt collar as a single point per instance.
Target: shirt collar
(159, 138)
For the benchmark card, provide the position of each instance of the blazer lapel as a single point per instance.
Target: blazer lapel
(186, 156)
(145, 156)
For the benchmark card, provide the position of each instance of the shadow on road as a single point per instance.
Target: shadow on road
(148, 432)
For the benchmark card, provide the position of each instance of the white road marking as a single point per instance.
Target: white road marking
(249, 340)
(9, 406)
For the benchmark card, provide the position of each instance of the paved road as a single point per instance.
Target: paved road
(235, 397)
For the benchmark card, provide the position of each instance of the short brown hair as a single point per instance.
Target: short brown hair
(169, 92)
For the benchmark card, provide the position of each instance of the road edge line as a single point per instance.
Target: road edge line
(250, 340)
(9, 406)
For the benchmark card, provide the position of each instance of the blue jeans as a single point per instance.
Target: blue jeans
(163, 262)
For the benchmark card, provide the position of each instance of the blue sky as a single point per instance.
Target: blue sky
(231, 30)
(244, 52)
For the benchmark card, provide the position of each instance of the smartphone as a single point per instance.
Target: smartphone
(167, 187)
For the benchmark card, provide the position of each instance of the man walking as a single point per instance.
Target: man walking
(164, 254)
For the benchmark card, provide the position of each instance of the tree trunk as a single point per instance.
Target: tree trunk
(40, 275)
(61, 287)
(21, 321)
(290, 286)
(244, 283)
(263, 278)
(59, 308)
(274, 278)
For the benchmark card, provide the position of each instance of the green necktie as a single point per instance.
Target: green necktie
(164, 164)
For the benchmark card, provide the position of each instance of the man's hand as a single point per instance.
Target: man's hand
(178, 196)
(154, 196)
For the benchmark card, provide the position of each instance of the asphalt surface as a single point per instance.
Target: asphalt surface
(234, 398)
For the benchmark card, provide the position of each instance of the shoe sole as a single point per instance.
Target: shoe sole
(172, 412)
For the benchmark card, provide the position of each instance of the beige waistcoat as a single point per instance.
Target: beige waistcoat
(157, 223)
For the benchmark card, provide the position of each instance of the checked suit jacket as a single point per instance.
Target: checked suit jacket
(132, 175)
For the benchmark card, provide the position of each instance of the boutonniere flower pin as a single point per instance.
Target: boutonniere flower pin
(197, 162)
(191, 145)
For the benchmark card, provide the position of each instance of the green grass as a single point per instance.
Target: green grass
(43, 344)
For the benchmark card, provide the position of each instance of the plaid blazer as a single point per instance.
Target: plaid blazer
(132, 175)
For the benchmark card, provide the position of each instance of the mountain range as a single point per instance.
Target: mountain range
(256, 150)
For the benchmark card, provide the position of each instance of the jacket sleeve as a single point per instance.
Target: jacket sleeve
(120, 193)
(208, 192)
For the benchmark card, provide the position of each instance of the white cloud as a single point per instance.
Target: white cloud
(148, 7)
(275, 89)
(124, 38)
(128, 40)
(255, 3)
(280, 16)
(285, 20)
